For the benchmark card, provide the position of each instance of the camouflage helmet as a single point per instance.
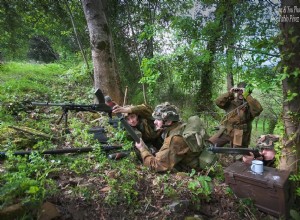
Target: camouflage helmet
(166, 112)
(267, 141)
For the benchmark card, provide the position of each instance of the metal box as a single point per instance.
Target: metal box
(269, 191)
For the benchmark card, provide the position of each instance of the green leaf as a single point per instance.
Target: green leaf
(294, 214)
(291, 96)
(294, 39)
(33, 190)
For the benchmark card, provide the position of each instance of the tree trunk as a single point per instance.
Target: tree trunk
(272, 125)
(105, 74)
(224, 12)
(204, 96)
(290, 53)
(229, 43)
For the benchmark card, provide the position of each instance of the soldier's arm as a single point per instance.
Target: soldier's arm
(143, 110)
(224, 100)
(171, 153)
(254, 106)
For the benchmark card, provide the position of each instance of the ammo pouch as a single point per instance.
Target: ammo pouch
(207, 159)
(237, 137)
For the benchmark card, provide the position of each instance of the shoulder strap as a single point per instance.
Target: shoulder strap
(233, 113)
(178, 130)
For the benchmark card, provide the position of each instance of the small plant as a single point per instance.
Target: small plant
(228, 191)
(122, 184)
(200, 186)
(26, 180)
(246, 208)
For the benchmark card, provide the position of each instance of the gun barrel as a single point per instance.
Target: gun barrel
(128, 128)
(229, 150)
(78, 107)
(64, 151)
(47, 104)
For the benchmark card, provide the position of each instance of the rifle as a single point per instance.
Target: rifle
(66, 107)
(100, 98)
(62, 151)
(232, 113)
(230, 150)
(129, 129)
(118, 155)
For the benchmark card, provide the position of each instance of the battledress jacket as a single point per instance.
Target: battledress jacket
(239, 118)
(174, 155)
(146, 125)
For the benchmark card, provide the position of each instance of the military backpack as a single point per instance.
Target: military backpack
(195, 135)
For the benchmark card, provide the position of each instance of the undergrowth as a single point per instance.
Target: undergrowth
(33, 179)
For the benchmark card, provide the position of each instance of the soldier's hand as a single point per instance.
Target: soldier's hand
(236, 90)
(245, 93)
(119, 109)
(140, 146)
(116, 106)
(248, 158)
(232, 89)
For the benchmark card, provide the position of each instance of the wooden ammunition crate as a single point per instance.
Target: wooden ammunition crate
(269, 191)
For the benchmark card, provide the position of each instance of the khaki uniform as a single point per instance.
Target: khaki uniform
(146, 125)
(236, 126)
(174, 154)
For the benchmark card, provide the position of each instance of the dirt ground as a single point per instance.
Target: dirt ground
(152, 202)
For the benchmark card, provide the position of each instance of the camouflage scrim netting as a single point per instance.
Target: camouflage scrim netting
(166, 112)
(267, 141)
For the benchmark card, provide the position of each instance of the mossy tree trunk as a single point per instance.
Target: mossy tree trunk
(290, 65)
(105, 74)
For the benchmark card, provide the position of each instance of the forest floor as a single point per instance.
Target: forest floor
(114, 191)
(152, 201)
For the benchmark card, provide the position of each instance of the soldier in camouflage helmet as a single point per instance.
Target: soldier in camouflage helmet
(241, 108)
(266, 145)
(139, 117)
(174, 154)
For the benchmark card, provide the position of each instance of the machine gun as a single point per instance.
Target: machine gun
(66, 107)
(101, 107)
(230, 150)
(106, 148)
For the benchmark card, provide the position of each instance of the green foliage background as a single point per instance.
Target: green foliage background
(183, 51)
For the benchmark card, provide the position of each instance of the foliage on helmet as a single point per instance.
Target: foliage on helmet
(166, 112)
